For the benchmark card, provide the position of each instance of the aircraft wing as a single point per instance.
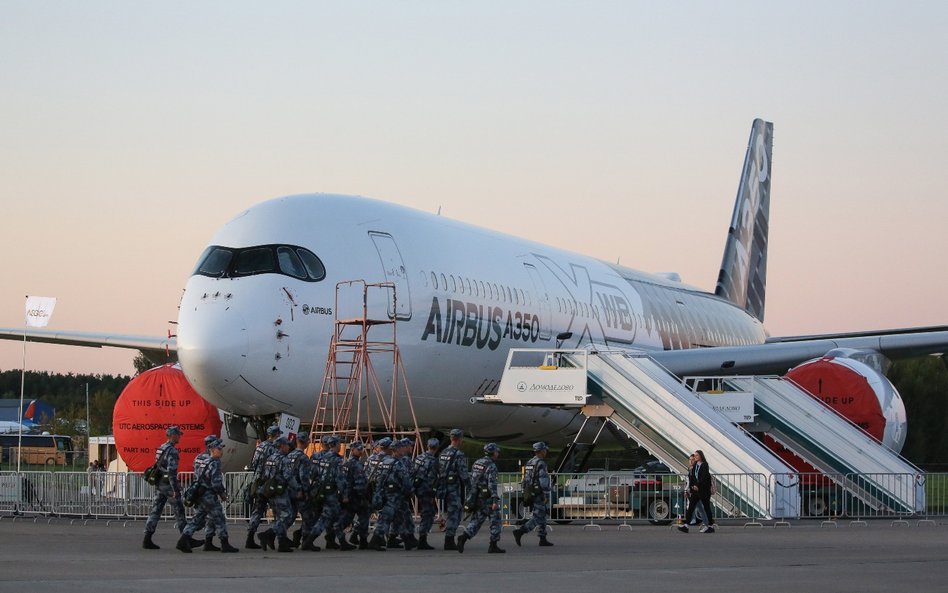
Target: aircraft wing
(780, 354)
(157, 350)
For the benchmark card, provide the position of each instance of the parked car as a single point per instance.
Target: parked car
(649, 491)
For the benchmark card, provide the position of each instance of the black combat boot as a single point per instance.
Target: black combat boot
(226, 547)
(363, 542)
(195, 542)
(251, 545)
(354, 538)
(495, 549)
(184, 544)
(393, 542)
(209, 544)
(462, 539)
(423, 542)
(331, 542)
(544, 543)
(307, 544)
(148, 544)
(267, 540)
(376, 543)
(344, 545)
(518, 533)
(410, 542)
(449, 543)
(297, 538)
(285, 544)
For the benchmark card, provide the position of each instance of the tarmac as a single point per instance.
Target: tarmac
(61, 555)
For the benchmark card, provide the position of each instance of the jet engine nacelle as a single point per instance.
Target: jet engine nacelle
(853, 383)
(162, 397)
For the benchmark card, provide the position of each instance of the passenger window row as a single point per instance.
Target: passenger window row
(476, 288)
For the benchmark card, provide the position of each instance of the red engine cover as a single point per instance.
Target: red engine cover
(153, 401)
(844, 390)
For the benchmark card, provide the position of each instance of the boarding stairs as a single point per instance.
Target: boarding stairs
(670, 421)
(665, 417)
(830, 442)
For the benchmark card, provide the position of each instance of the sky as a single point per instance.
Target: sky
(130, 132)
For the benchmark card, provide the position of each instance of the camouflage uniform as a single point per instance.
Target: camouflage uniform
(424, 482)
(207, 472)
(372, 465)
(357, 506)
(327, 486)
(484, 482)
(167, 459)
(209, 529)
(258, 503)
(537, 477)
(404, 524)
(391, 484)
(453, 482)
(278, 467)
(302, 468)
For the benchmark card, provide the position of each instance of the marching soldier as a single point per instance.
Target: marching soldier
(453, 482)
(209, 529)
(259, 503)
(404, 523)
(279, 482)
(210, 479)
(302, 469)
(391, 482)
(536, 485)
(327, 486)
(355, 506)
(425, 482)
(486, 501)
(168, 488)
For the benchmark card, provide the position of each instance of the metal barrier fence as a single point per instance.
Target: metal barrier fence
(591, 498)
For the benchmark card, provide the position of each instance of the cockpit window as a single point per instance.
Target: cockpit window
(214, 262)
(290, 263)
(289, 260)
(258, 260)
(314, 267)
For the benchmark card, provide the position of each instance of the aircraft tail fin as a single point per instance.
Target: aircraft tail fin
(743, 276)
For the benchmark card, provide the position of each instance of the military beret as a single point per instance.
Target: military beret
(303, 437)
(210, 440)
(274, 430)
(540, 446)
(433, 443)
(490, 448)
(456, 432)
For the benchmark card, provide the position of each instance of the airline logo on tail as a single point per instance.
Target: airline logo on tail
(743, 276)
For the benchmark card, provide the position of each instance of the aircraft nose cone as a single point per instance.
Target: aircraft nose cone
(212, 344)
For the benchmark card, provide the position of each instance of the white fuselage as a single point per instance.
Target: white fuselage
(257, 343)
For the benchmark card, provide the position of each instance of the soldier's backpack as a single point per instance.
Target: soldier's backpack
(154, 474)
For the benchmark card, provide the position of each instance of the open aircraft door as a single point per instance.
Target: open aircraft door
(394, 268)
(543, 301)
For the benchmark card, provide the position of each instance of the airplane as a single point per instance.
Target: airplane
(257, 314)
(11, 426)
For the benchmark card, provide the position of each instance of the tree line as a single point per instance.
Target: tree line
(67, 394)
(922, 382)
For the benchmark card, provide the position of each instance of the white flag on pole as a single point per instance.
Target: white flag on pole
(39, 310)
